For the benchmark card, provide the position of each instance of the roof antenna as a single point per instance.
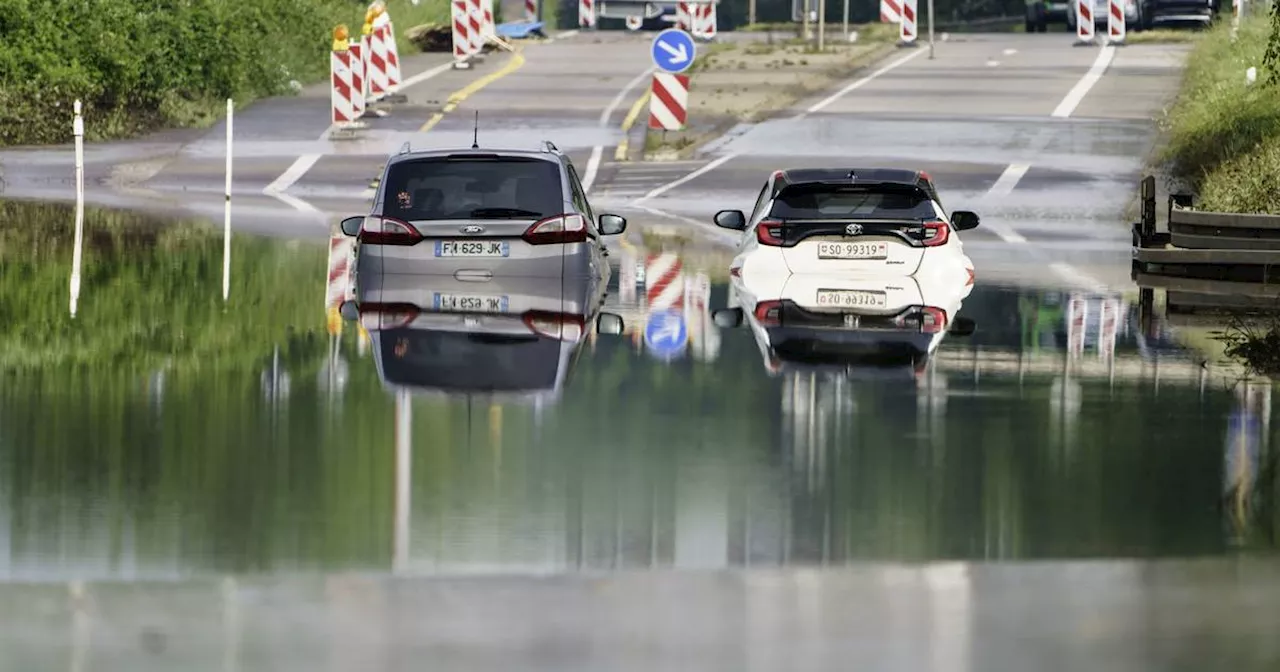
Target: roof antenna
(475, 133)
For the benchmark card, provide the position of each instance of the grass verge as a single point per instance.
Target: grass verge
(140, 65)
(752, 81)
(1223, 134)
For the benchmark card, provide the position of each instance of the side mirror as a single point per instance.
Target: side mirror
(962, 326)
(351, 226)
(349, 311)
(727, 318)
(610, 324)
(963, 220)
(731, 219)
(612, 225)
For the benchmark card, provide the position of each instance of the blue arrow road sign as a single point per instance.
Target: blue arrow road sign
(665, 333)
(673, 50)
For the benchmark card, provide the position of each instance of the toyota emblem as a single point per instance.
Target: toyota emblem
(472, 229)
(853, 229)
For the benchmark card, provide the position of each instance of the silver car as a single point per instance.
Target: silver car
(481, 213)
(504, 339)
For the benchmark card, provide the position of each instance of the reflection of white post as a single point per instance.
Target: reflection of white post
(231, 626)
(950, 602)
(79, 626)
(404, 464)
(226, 215)
(702, 517)
(77, 127)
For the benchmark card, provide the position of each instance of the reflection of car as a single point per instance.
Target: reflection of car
(503, 337)
(849, 324)
(861, 221)
(478, 212)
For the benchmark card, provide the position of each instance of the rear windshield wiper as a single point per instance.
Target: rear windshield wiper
(503, 212)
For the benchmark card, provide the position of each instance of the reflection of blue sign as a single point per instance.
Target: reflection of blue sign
(665, 333)
(673, 50)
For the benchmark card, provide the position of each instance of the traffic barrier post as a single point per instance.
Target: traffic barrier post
(462, 44)
(586, 14)
(907, 32)
(384, 29)
(697, 18)
(1115, 22)
(669, 101)
(530, 10)
(890, 11)
(1084, 22)
(359, 105)
(475, 27)
(342, 86)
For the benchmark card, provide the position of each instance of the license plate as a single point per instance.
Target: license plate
(472, 248)
(851, 298)
(853, 250)
(471, 303)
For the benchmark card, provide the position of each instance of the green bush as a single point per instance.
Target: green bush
(1224, 134)
(143, 64)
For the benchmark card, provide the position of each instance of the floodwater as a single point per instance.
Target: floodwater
(170, 460)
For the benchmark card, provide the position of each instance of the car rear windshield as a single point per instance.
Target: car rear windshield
(468, 362)
(499, 188)
(878, 201)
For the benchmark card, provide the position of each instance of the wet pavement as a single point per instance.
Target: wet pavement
(603, 478)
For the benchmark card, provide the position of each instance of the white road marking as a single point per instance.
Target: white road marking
(563, 36)
(860, 83)
(654, 193)
(1071, 274)
(597, 152)
(1009, 179)
(1010, 52)
(303, 163)
(991, 63)
(1077, 93)
(712, 230)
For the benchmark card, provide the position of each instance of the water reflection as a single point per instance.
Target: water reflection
(136, 441)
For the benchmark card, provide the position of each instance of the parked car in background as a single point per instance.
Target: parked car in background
(1040, 13)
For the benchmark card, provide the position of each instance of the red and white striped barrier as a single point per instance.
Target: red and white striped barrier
(385, 36)
(530, 10)
(890, 11)
(586, 13)
(907, 32)
(488, 29)
(697, 18)
(1084, 20)
(357, 62)
(664, 282)
(342, 89)
(463, 46)
(1115, 21)
(379, 82)
(669, 101)
(475, 19)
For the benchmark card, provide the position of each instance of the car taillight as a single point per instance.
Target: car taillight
(769, 313)
(928, 319)
(387, 231)
(936, 233)
(769, 233)
(562, 326)
(558, 229)
(386, 316)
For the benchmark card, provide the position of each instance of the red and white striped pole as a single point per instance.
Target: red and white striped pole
(475, 26)
(669, 101)
(707, 22)
(530, 10)
(357, 62)
(462, 51)
(1115, 22)
(586, 13)
(339, 281)
(890, 11)
(342, 89)
(907, 32)
(1084, 21)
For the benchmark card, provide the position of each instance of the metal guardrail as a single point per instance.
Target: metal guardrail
(1205, 245)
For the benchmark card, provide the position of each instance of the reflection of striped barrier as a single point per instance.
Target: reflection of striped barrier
(1077, 314)
(338, 287)
(907, 25)
(627, 277)
(669, 102)
(1108, 326)
(664, 282)
(586, 13)
(890, 11)
(702, 331)
(1084, 20)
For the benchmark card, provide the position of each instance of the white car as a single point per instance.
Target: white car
(842, 323)
(873, 221)
(506, 339)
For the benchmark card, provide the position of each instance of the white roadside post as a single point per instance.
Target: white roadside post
(77, 129)
(226, 213)
(930, 29)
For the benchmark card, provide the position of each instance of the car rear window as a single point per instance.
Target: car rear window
(505, 187)
(468, 362)
(824, 201)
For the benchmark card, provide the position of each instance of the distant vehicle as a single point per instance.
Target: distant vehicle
(861, 221)
(850, 326)
(509, 339)
(635, 15)
(479, 212)
(1165, 13)
(1041, 13)
(1134, 16)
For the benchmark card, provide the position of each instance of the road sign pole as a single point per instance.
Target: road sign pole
(822, 24)
(931, 29)
(804, 17)
(844, 27)
(751, 12)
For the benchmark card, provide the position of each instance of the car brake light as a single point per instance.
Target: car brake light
(769, 313)
(769, 233)
(386, 316)
(929, 319)
(387, 231)
(936, 233)
(561, 229)
(562, 326)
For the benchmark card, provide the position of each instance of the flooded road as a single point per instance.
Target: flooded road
(172, 461)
